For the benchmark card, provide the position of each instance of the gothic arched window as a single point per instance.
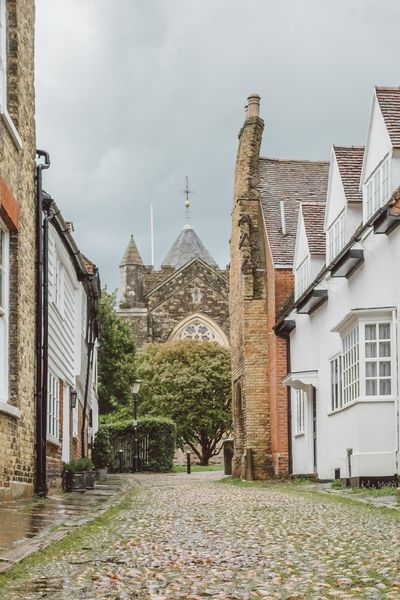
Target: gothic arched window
(197, 330)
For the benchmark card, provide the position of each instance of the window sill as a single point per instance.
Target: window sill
(365, 400)
(54, 441)
(12, 130)
(9, 409)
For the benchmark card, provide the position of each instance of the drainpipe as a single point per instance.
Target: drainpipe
(45, 342)
(87, 383)
(41, 401)
(289, 408)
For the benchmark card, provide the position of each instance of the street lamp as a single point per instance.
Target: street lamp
(135, 390)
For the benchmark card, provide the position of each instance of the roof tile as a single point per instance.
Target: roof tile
(389, 102)
(290, 181)
(350, 161)
(314, 217)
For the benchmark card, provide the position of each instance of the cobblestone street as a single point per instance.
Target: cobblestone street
(191, 537)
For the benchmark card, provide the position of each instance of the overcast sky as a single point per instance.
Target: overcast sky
(133, 95)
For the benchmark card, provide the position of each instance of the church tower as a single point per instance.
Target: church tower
(187, 298)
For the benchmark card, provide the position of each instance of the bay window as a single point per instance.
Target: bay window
(364, 369)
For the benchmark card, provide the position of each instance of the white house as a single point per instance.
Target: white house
(344, 324)
(73, 293)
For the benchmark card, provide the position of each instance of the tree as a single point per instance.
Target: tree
(115, 358)
(190, 382)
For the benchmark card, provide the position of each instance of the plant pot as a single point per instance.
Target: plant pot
(102, 474)
(90, 477)
(75, 482)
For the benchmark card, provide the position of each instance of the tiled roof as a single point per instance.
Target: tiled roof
(131, 255)
(350, 161)
(188, 245)
(389, 102)
(314, 216)
(292, 181)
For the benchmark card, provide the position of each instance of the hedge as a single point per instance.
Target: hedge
(157, 437)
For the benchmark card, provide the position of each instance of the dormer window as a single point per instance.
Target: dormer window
(336, 236)
(378, 188)
(302, 276)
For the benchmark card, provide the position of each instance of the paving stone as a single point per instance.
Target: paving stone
(188, 537)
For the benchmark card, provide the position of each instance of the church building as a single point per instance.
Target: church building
(187, 298)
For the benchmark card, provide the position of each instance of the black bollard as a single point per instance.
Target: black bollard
(121, 453)
(188, 468)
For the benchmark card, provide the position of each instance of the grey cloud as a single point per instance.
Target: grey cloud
(133, 95)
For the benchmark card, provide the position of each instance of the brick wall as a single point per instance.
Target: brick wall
(17, 173)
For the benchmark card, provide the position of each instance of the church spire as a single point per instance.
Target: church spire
(187, 204)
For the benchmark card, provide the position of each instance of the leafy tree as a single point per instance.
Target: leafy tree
(190, 382)
(115, 358)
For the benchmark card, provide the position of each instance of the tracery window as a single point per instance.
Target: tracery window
(198, 330)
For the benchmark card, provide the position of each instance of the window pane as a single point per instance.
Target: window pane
(384, 331)
(370, 350)
(370, 369)
(385, 387)
(371, 387)
(384, 348)
(370, 332)
(384, 369)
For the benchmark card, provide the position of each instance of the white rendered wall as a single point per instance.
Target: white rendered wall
(367, 428)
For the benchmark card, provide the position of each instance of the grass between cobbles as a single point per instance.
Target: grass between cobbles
(72, 541)
(197, 468)
(298, 489)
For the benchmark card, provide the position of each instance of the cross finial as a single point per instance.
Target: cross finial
(187, 202)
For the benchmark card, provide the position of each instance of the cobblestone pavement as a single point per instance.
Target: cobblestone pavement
(190, 537)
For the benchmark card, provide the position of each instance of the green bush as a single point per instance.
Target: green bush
(160, 436)
(102, 450)
(78, 465)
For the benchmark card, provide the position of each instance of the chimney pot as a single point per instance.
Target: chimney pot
(253, 102)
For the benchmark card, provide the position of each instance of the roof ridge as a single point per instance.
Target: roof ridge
(388, 88)
(353, 147)
(294, 160)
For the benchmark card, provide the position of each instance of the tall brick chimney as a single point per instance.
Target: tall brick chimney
(248, 307)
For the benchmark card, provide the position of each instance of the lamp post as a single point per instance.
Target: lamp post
(135, 390)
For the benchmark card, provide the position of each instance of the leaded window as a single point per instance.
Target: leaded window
(53, 407)
(378, 188)
(198, 330)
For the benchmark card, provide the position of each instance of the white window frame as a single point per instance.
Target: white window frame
(53, 408)
(302, 276)
(378, 187)
(300, 411)
(336, 236)
(3, 77)
(359, 350)
(4, 320)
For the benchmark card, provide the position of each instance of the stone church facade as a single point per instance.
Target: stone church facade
(187, 298)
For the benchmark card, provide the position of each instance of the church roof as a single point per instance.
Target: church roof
(188, 245)
(131, 255)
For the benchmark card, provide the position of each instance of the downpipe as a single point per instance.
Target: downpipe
(40, 398)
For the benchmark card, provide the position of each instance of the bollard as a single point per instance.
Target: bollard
(121, 453)
(188, 467)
